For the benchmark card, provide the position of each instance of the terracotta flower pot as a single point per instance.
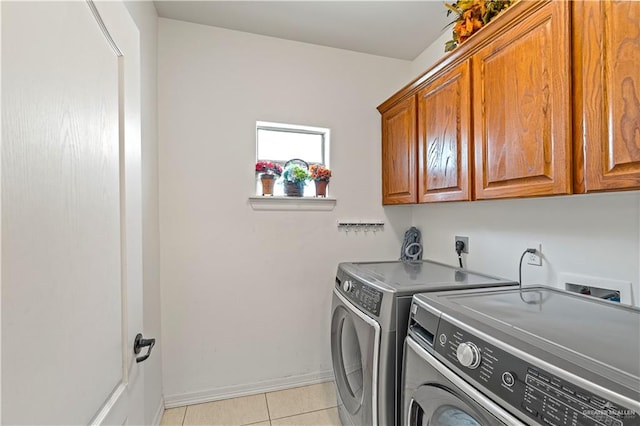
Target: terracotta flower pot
(321, 188)
(267, 184)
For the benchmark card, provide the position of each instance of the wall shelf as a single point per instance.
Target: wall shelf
(292, 203)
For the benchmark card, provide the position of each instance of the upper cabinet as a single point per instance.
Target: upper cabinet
(522, 108)
(399, 153)
(606, 54)
(444, 126)
(544, 100)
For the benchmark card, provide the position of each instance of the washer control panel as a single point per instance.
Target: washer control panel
(535, 393)
(365, 297)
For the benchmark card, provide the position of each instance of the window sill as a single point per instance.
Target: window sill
(292, 203)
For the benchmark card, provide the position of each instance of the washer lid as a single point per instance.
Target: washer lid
(581, 329)
(426, 275)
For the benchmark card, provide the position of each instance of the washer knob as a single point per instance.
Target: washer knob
(469, 355)
(347, 286)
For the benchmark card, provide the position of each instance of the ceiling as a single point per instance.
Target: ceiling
(396, 29)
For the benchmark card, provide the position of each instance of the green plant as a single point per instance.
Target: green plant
(296, 174)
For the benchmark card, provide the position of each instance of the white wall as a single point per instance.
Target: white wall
(246, 294)
(145, 16)
(430, 55)
(594, 235)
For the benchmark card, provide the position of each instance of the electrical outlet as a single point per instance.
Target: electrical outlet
(534, 259)
(465, 240)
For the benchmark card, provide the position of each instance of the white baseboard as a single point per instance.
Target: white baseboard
(158, 416)
(171, 401)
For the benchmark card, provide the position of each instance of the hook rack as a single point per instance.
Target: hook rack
(361, 226)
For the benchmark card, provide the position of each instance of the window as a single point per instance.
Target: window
(279, 143)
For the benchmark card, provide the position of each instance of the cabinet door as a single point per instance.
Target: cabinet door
(521, 107)
(607, 95)
(444, 123)
(399, 153)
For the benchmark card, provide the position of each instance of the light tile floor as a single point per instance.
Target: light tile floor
(313, 405)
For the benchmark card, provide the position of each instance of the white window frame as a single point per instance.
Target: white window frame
(295, 128)
(259, 202)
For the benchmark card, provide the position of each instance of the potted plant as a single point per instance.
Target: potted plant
(321, 176)
(294, 176)
(472, 15)
(268, 171)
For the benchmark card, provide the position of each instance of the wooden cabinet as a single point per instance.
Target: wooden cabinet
(399, 153)
(606, 95)
(522, 108)
(545, 100)
(444, 125)
(425, 142)
(494, 117)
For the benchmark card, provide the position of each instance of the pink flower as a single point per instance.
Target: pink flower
(269, 168)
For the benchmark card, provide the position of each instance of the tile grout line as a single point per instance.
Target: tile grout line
(266, 401)
(307, 412)
(184, 416)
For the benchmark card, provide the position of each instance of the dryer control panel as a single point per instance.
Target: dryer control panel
(365, 297)
(534, 392)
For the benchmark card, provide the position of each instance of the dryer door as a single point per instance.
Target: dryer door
(355, 341)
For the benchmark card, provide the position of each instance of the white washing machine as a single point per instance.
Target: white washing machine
(370, 311)
(536, 356)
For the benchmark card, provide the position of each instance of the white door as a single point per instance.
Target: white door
(71, 214)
